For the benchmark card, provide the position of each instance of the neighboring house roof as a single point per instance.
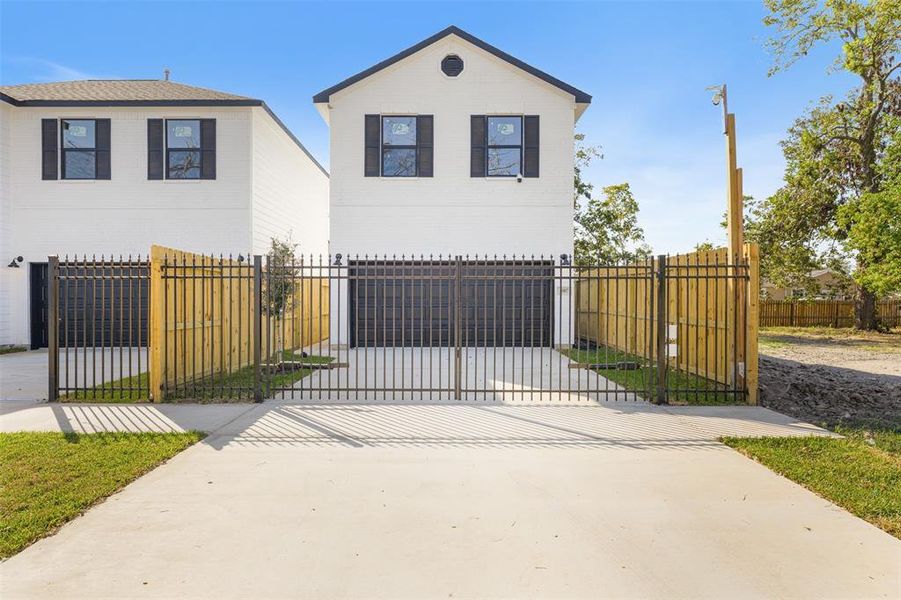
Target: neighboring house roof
(125, 91)
(133, 92)
(581, 97)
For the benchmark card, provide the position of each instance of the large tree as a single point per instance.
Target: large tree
(606, 228)
(839, 180)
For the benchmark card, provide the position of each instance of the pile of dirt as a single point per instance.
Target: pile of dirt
(830, 395)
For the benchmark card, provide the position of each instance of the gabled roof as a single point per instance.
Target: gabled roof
(133, 92)
(121, 92)
(581, 97)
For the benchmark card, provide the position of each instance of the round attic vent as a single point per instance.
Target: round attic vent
(452, 65)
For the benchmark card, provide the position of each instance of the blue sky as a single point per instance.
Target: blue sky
(647, 64)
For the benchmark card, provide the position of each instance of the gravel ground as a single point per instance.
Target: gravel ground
(833, 377)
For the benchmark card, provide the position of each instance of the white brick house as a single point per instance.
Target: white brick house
(451, 147)
(111, 167)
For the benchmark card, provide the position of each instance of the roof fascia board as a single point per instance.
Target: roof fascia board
(580, 96)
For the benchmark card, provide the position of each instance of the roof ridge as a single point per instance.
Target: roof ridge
(580, 96)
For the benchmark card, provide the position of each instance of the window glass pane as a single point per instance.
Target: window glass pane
(78, 134)
(399, 131)
(184, 164)
(504, 131)
(79, 165)
(503, 161)
(183, 134)
(399, 162)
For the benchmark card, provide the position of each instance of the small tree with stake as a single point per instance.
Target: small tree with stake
(280, 282)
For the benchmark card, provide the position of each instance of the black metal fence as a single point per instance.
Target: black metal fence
(408, 328)
(98, 328)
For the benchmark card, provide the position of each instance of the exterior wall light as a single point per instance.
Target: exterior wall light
(14, 263)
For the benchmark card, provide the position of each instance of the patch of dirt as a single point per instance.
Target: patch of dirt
(833, 379)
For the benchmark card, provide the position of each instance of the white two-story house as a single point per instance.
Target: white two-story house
(112, 167)
(451, 147)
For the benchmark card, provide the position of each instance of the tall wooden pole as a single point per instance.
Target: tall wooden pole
(735, 201)
(738, 314)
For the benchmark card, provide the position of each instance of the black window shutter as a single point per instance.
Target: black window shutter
(155, 149)
(208, 148)
(49, 149)
(425, 136)
(372, 148)
(530, 146)
(478, 130)
(102, 148)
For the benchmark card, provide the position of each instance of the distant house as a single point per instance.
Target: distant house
(828, 285)
(111, 167)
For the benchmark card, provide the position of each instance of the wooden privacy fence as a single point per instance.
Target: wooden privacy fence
(824, 313)
(214, 318)
(695, 314)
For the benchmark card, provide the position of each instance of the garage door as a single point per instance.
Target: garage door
(415, 303)
(99, 305)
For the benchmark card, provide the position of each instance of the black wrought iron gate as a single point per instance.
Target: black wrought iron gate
(423, 328)
(515, 329)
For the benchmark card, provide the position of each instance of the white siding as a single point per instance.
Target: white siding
(290, 192)
(250, 199)
(11, 280)
(451, 212)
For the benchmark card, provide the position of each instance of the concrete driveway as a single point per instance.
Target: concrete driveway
(467, 501)
(487, 374)
(23, 375)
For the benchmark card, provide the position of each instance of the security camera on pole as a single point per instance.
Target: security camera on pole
(735, 228)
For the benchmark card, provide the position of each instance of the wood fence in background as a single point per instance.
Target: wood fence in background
(822, 313)
(205, 318)
(709, 310)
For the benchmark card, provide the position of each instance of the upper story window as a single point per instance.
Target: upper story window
(75, 149)
(183, 149)
(504, 146)
(398, 146)
(79, 149)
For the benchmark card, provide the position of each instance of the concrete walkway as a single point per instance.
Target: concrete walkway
(94, 418)
(466, 501)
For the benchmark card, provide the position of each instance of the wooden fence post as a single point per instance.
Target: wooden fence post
(753, 324)
(157, 323)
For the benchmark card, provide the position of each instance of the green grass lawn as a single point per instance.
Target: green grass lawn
(236, 386)
(861, 473)
(685, 388)
(12, 349)
(137, 390)
(48, 479)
